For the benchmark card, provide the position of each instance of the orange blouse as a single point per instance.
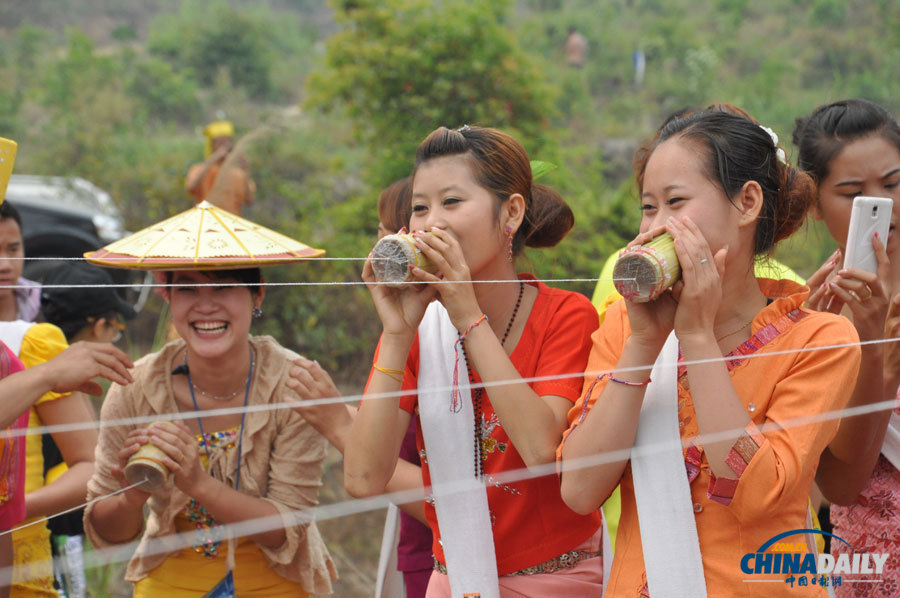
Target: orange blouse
(774, 469)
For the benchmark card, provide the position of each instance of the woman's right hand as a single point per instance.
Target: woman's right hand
(653, 321)
(864, 294)
(400, 309)
(133, 442)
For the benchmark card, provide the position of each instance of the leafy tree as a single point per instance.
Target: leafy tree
(401, 68)
(205, 39)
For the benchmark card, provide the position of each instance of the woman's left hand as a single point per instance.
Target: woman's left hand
(182, 455)
(456, 292)
(699, 292)
(331, 419)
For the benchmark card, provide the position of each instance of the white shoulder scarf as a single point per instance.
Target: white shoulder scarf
(662, 492)
(459, 499)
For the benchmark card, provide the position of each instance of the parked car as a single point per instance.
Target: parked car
(63, 217)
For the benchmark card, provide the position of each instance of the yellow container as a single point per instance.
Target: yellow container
(147, 464)
(392, 257)
(7, 159)
(644, 272)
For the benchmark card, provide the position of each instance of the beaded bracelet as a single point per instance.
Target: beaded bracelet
(625, 382)
(587, 398)
(393, 373)
(455, 405)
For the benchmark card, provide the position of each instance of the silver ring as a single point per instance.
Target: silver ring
(704, 260)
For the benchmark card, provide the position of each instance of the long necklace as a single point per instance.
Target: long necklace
(199, 516)
(477, 393)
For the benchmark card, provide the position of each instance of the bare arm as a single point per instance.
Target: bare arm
(334, 421)
(77, 448)
(612, 428)
(371, 456)
(848, 461)
(73, 369)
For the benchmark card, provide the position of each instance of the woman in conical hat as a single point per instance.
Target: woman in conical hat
(221, 469)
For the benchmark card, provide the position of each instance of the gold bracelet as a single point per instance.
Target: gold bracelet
(393, 373)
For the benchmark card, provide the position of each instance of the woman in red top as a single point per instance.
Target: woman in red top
(515, 340)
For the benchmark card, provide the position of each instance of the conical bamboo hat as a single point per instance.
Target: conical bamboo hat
(203, 238)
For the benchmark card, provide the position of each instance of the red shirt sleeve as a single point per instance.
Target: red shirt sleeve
(565, 346)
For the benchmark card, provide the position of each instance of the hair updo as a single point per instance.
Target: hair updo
(824, 133)
(500, 165)
(737, 150)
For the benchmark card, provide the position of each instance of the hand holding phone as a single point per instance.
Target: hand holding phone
(7, 159)
(869, 215)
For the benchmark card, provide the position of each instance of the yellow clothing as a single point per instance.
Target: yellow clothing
(31, 546)
(191, 574)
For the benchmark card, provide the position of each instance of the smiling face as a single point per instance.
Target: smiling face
(12, 251)
(676, 184)
(212, 320)
(868, 166)
(446, 195)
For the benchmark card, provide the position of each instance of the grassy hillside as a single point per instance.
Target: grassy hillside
(116, 92)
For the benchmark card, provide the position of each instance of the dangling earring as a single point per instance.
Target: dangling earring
(257, 312)
(509, 248)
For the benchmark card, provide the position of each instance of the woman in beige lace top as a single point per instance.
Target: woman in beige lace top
(215, 365)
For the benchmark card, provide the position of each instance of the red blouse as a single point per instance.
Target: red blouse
(531, 523)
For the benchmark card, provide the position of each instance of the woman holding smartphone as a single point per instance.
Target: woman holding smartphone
(852, 148)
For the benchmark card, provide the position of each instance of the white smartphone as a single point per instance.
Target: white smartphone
(869, 215)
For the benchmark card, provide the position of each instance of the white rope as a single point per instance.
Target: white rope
(338, 283)
(73, 509)
(251, 527)
(148, 419)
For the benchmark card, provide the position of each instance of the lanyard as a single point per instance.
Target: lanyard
(237, 481)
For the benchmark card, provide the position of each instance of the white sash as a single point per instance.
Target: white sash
(891, 446)
(13, 333)
(459, 499)
(389, 583)
(665, 510)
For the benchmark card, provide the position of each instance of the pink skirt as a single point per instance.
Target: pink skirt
(585, 580)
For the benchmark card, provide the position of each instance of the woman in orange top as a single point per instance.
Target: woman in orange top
(472, 190)
(719, 185)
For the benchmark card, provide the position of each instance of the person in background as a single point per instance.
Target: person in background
(408, 550)
(72, 370)
(84, 313)
(414, 558)
(22, 303)
(35, 344)
(222, 169)
(576, 48)
(851, 148)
